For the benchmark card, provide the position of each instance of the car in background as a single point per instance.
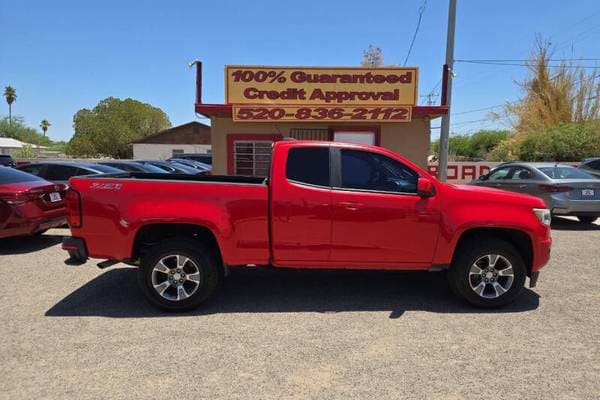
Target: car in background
(201, 157)
(7, 161)
(591, 166)
(132, 166)
(206, 168)
(566, 190)
(29, 205)
(61, 171)
(170, 167)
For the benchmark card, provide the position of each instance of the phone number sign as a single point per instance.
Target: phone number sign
(261, 113)
(312, 86)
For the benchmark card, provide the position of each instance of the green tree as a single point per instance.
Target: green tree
(553, 94)
(477, 145)
(11, 96)
(110, 127)
(44, 125)
(18, 130)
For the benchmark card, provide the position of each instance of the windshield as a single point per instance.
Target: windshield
(10, 175)
(183, 167)
(153, 168)
(564, 172)
(105, 168)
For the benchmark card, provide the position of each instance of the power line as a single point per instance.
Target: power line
(526, 65)
(526, 60)
(421, 11)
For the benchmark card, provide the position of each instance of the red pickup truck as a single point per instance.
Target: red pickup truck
(325, 205)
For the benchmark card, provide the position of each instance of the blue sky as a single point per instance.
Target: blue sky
(62, 56)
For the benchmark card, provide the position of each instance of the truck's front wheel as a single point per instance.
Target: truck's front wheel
(487, 273)
(179, 274)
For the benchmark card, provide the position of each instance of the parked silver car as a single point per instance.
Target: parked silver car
(591, 166)
(565, 189)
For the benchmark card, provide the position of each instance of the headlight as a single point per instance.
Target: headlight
(543, 215)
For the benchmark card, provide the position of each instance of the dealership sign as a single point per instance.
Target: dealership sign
(260, 93)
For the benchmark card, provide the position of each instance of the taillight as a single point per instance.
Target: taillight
(555, 188)
(73, 203)
(21, 197)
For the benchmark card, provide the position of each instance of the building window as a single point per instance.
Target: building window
(177, 152)
(355, 137)
(252, 157)
(309, 134)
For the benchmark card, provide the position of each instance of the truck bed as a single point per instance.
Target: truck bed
(116, 207)
(186, 177)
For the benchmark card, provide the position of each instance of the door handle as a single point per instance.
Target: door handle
(350, 205)
(522, 186)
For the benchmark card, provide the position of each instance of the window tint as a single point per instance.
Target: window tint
(370, 171)
(34, 169)
(521, 173)
(60, 172)
(10, 175)
(309, 165)
(594, 165)
(500, 173)
(565, 173)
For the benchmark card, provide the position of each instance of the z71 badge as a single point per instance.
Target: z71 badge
(106, 186)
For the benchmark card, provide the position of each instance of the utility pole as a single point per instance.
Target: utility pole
(445, 126)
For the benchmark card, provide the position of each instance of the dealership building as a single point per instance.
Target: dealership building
(375, 106)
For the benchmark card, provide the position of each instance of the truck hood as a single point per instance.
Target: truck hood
(497, 195)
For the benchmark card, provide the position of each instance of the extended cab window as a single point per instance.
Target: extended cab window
(308, 165)
(364, 170)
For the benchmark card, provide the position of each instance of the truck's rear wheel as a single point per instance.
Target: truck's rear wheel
(488, 273)
(179, 274)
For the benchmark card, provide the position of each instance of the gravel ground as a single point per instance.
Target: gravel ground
(79, 332)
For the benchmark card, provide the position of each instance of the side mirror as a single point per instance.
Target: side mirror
(482, 177)
(425, 187)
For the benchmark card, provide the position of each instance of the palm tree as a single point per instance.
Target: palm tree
(44, 125)
(11, 95)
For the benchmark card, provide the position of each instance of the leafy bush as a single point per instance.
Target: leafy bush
(567, 142)
(26, 151)
(476, 145)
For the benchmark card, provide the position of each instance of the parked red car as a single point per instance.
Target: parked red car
(325, 205)
(28, 204)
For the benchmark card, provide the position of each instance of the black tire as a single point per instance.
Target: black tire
(201, 256)
(460, 279)
(587, 220)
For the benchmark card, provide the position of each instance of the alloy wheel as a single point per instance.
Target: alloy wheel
(175, 277)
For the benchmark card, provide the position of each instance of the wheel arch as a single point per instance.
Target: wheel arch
(153, 233)
(520, 240)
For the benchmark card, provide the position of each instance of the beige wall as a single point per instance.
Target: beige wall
(410, 139)
(154, 151)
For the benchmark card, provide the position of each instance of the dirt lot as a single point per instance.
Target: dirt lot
(79, 332)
